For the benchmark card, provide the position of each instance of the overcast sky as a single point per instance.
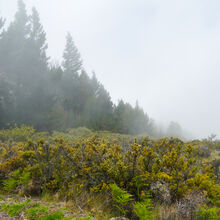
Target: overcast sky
(165, 54)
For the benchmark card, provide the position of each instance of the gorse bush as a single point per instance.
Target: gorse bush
(16, 133)
(169, 168)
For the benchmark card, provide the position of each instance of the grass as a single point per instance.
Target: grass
(32, 210)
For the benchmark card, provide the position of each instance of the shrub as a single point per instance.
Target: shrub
(16, 133)
(168, 167)
(208, 213)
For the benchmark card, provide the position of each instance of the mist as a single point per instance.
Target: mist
(163, 54)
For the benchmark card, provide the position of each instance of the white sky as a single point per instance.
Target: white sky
(165, 54)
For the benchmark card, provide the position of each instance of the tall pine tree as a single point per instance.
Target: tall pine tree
(41, 100)
(38, 41)
(72, 63)
(2, 22)
(13, 43)
(72, 80)
(13, 56)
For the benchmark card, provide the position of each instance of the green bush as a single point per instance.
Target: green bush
(208, 213)
(16, 133)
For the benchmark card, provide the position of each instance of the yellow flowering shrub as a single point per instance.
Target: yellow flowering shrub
(92, 164)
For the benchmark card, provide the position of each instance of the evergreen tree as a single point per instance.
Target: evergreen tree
(6, 101)
(99, 107)
(2, 22)
(73, 94)
(55, 75)
(23, 59)
(12, 44)
(83, 95)
(13, 57)
(72, 63)
(121, 113)
(38, 41)
(104, 108)
(20, 25)
(94, 83)
(140, 121)
(41, 99)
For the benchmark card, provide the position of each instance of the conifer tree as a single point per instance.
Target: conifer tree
(41, 99)
(104, 108)
(23, 59)
(121, 119)
(2, 22)
(13, 42)
(20, 24)
(72, 63)
(95, 83)
(13, 57)
(35, 51)
(38, 40)
(140, 120)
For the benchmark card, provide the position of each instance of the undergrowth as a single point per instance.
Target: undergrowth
(116, 176)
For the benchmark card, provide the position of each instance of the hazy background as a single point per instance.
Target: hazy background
(165, 54)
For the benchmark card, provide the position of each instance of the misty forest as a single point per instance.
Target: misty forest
(49, 96)
(67, 151)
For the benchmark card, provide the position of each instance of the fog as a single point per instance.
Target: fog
(165, 54)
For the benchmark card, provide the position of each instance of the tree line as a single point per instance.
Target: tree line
(50, 96)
